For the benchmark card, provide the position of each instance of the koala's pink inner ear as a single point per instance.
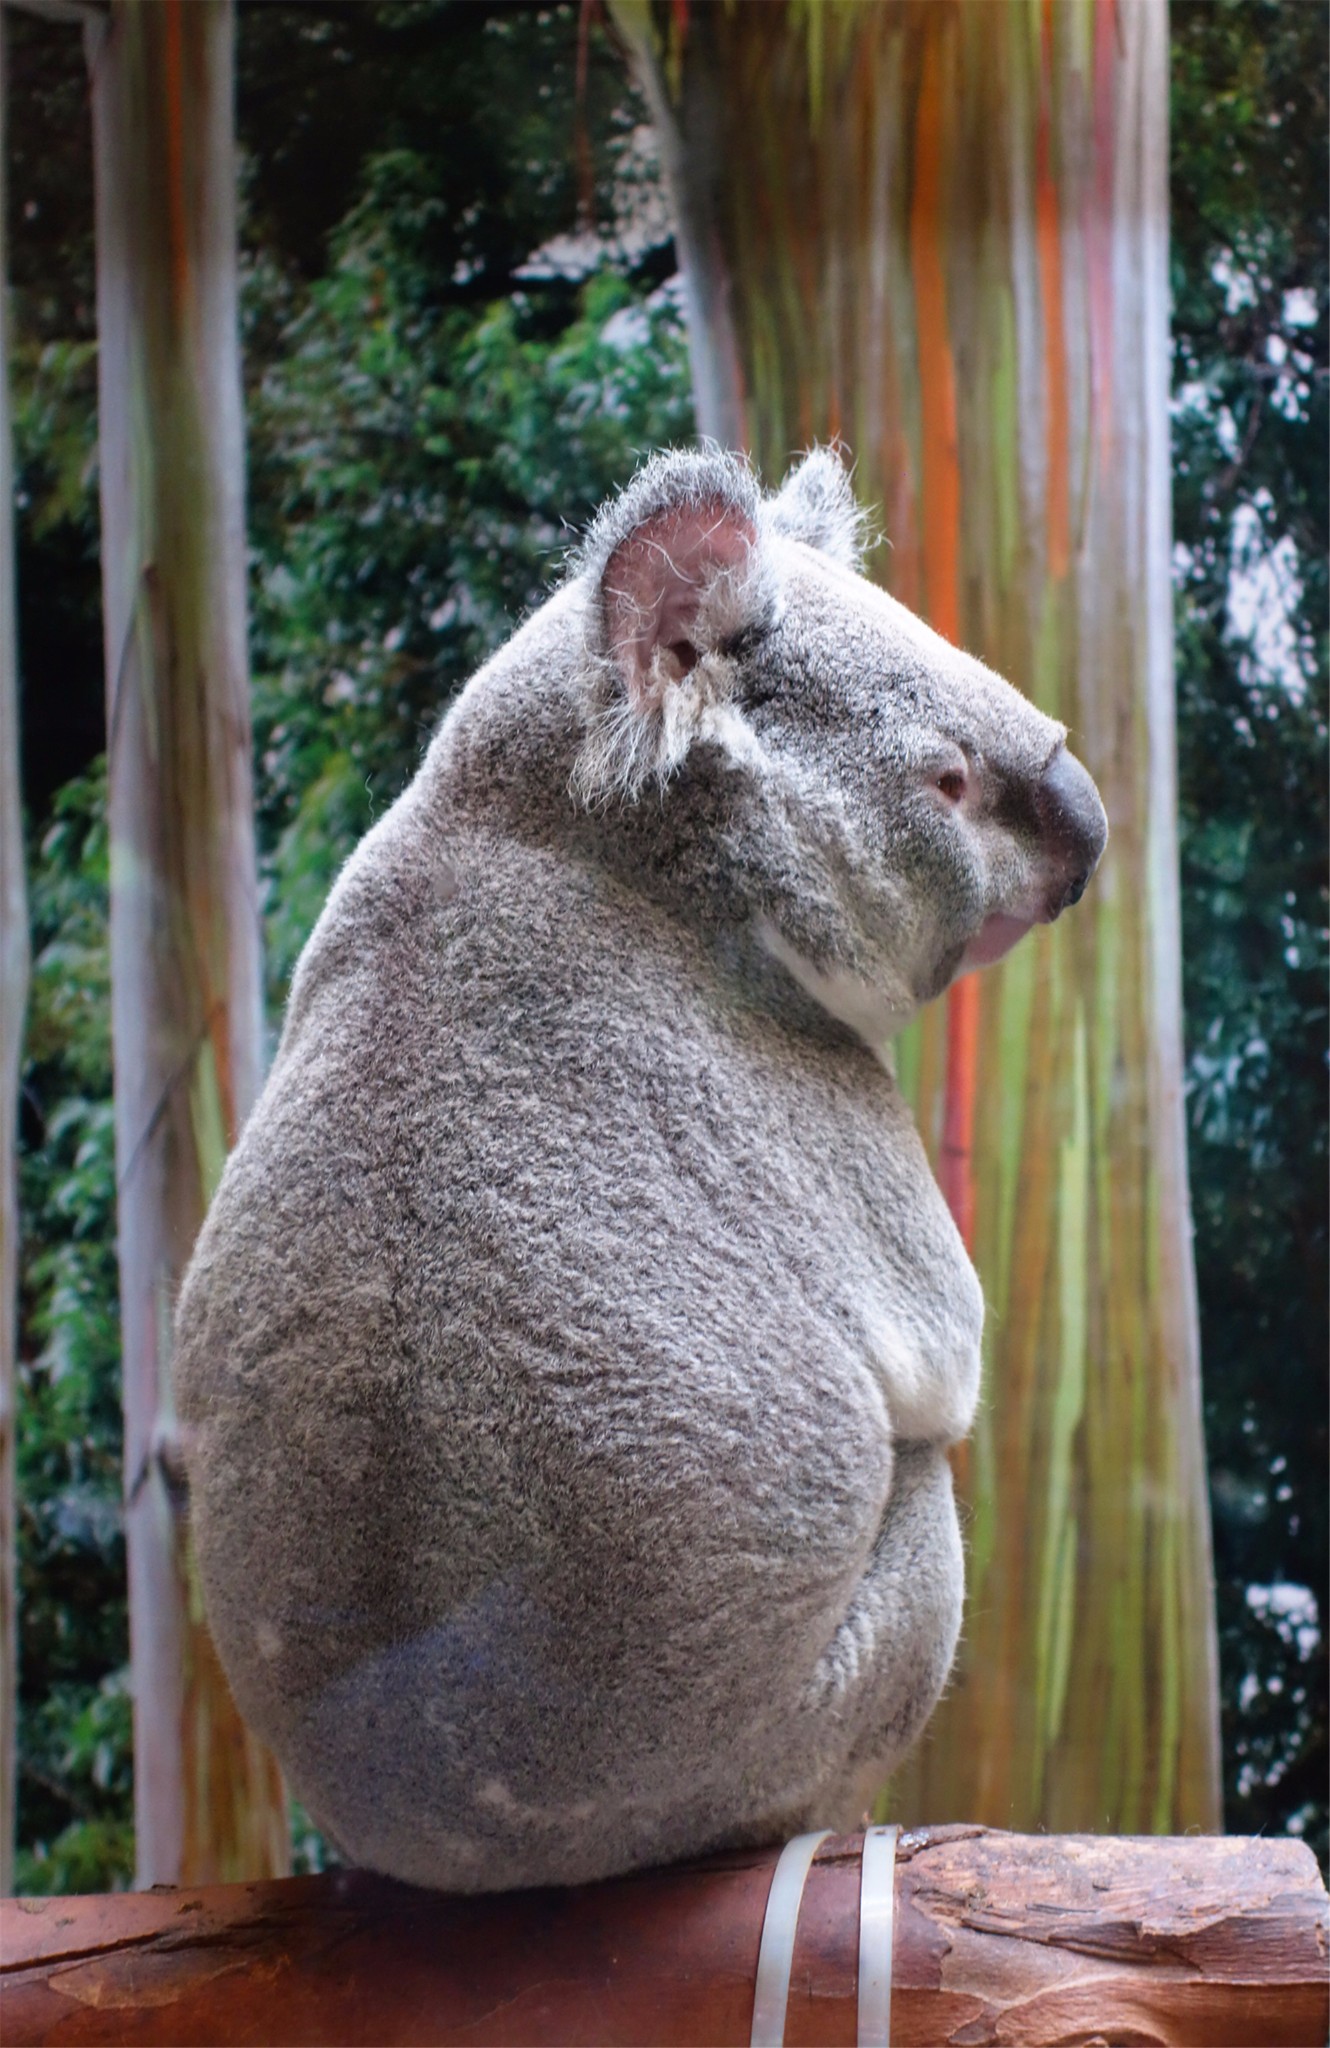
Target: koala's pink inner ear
(656, 588)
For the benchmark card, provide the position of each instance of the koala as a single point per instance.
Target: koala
(568, 1362)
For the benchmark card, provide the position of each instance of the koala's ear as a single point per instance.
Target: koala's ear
(679, 568)
(680, 573)
(668, 594)
(816, 504)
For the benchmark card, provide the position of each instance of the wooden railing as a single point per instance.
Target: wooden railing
(998, 1938)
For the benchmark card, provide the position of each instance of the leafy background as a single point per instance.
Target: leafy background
(461, 329)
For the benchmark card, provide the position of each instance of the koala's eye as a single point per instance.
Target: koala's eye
(952, 784)
(741, 643)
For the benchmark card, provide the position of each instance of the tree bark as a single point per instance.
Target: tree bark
(940, 231)
(185, 934)
(14, 969)
(998, 1938)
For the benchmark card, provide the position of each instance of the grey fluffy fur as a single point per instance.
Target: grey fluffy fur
(567, 1364)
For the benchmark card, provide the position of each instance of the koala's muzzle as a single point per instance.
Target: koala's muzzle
(1073, 829)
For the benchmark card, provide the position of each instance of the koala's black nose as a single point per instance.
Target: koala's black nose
(1073, 827)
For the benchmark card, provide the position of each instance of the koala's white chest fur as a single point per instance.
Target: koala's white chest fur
(869, 1012)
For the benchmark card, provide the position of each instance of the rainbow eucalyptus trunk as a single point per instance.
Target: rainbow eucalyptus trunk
(940, 231)
(185, 965)
(14, 954)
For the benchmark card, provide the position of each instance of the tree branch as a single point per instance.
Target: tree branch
(1040, 1939)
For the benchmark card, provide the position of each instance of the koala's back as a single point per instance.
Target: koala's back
(537, 1366)
(568, 1362)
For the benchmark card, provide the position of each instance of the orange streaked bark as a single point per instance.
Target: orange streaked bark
(941, 561)
(1100, 214)
(1049, 238)
(945, 225)
(937, 375)
(174, 98)
(955, 1160)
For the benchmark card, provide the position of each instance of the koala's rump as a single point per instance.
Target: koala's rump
(534, 1450)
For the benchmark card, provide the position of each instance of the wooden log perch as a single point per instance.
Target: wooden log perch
(998, 1939)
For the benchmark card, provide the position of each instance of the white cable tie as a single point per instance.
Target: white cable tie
(877, 1912)
(776, 1955)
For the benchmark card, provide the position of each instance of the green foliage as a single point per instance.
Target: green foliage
(74, 1711)
(53, 392)
(1250, 510)
(53, 412)
(417, 471)
(517, 135)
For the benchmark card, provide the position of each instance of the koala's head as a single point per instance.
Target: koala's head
(887, 810)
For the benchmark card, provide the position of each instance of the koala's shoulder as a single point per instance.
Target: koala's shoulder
(366, 948)
(446, 930)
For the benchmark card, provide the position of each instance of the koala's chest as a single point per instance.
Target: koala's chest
(575, 1132)
(640, 1135)
(819, 1176)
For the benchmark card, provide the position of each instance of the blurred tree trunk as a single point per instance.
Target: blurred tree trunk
(185, 939)
(13, 1005)
(940, 231)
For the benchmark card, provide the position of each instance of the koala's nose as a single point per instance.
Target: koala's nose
(1073, 826)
